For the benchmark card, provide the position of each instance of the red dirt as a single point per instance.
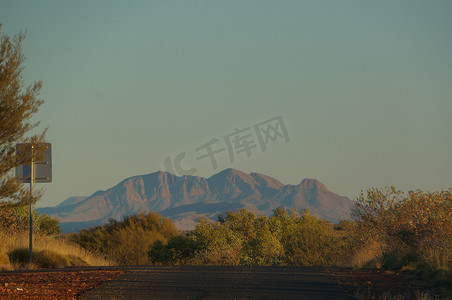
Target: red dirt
(66, 284)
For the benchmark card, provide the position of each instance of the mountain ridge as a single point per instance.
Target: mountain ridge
(186, 198)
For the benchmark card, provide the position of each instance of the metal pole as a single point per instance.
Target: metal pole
(31, 215)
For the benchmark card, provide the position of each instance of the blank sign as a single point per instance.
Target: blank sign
(43, 168)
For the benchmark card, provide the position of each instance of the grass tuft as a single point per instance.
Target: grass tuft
(41, 259)
(51, 259)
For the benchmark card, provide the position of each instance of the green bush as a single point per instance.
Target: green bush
(179, 250)
(18, 219)
(46, 225)
(241, 238)
(127, 242)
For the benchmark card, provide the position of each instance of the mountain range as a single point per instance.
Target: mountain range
(187, 198)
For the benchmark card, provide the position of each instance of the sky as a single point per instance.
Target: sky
(356, 94)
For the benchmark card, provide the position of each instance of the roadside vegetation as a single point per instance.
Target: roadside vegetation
(410, 232)
(408, 229)
(50, 248)
(390, 230)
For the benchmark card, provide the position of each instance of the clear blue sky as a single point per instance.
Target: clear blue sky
(364, 88)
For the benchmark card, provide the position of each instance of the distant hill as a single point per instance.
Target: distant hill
(186, 198)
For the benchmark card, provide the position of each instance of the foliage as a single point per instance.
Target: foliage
(18, 219)
(241, 238)
(46, 225)
(127, 242)
(413, 227)
(178, 250)
(315, 243)
(17, 105)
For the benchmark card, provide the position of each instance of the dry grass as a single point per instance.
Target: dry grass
(367, 254)
(439, 259)
(10, 241)
(4, 261)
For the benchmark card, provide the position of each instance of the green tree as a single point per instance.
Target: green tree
(264, 248)
(218, 244)
(18, 103)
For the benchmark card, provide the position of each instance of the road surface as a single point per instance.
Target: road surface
(221, 282)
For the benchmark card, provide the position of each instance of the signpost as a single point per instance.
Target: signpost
(36, 171)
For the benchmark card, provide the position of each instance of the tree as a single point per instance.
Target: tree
(18, 103)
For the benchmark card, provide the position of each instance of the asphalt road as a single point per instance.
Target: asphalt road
(221, 282)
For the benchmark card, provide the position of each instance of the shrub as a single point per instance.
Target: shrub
(127, 242)
(179, 250)
(410, 227)
(19, 256)
(314, 243)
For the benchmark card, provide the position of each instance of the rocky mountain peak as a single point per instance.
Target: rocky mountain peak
(309, 184)
(231, 181)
